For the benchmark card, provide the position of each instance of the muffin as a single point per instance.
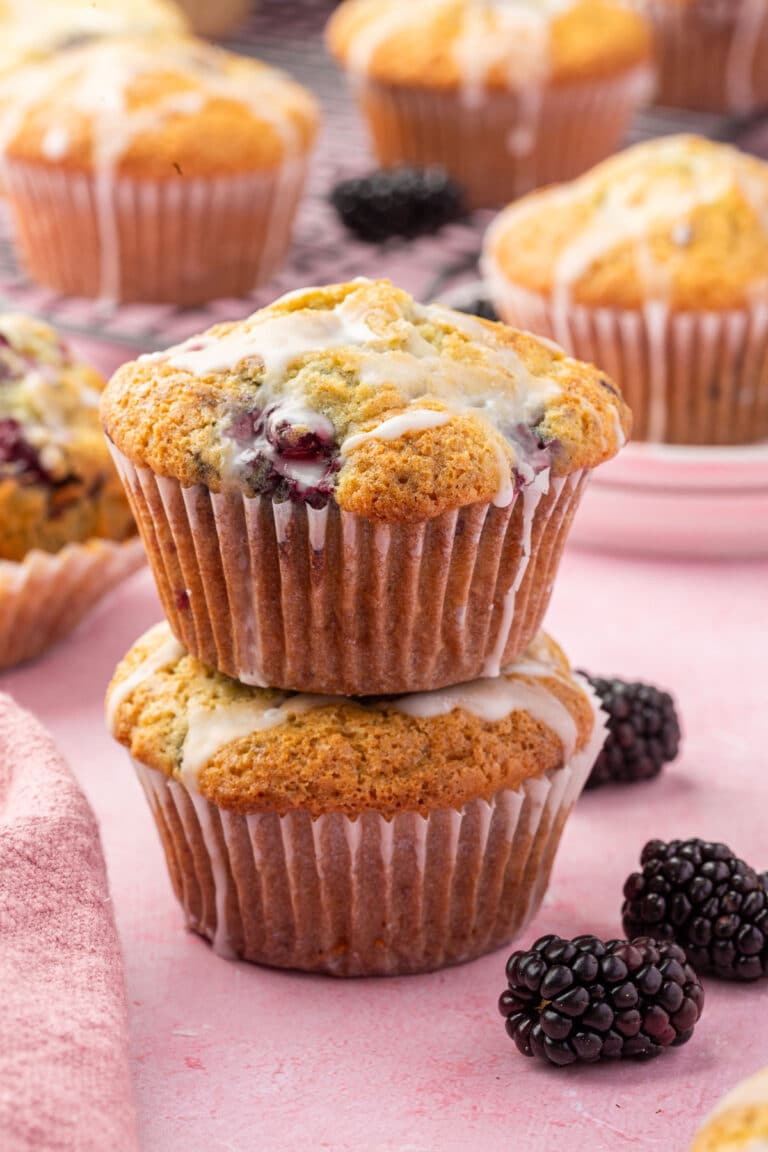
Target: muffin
(739, 1123)
(711, 53)
(33, 29)
(66, 531)
(349, 492)
(655, 265)
(158, 170)
(215, 19)
(356, 837)
(504, 95)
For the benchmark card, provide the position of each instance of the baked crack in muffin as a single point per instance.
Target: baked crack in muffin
(351, 492)
(356, 837)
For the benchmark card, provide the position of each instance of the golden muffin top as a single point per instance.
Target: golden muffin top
(355, 392)
(739, 1123)
(31, 29)
(169, 107)
(473, 45)
(57, 482)
(253, 749)
(678, 219)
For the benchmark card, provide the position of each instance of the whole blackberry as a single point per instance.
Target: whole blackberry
(705, 898)
(398, 202)
(643, 732)
(582, 1000)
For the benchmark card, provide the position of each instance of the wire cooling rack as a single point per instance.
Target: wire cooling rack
(289, 35)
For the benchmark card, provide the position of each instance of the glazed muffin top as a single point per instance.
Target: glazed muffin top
(678, 219)
(250, 749)
(397, 411)
(169, 107)
(739, 1122)
(57, 482)
(31, 29)
(475, 45)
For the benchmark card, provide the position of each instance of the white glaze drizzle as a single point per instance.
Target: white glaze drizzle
(397, 427)
(169, 652)
(99, 80)
(210, 728)
(512, 34)
(278, 342)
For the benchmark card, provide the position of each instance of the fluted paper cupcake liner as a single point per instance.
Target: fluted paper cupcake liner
(689, 377)
(46, 595)
(505, 143)
(286, 596)
(712, 53)
(368, 895)
(181, 241)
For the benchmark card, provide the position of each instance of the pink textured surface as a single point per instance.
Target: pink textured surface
(64, 1079)
(227, 1058)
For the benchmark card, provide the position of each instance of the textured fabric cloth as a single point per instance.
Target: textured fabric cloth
(64, 1078)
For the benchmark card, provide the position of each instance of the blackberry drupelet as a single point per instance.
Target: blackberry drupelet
(705, 898)
(398, 202)
(643, 732)
(583, 1000)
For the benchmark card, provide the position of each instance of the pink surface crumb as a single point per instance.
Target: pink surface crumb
(228, 1058)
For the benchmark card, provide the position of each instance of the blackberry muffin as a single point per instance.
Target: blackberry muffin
(350, 492)
(506, 95)
(711, 53)
(157, 170)
(739, 1122)
(66, 531)
(34, 29)
(655, 265)
(356, 837)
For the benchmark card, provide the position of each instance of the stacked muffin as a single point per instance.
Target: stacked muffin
(359, 749)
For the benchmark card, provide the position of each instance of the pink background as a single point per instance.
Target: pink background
(228, 1058)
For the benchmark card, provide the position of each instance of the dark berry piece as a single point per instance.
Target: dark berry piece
(18, 458)
(398, 202)
(480, 306)
(643, 732)
(583, 1000)
(706, 899)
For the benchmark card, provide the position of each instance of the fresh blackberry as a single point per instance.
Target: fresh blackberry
(582, 1000)
(398, 202)
(705, 898)
(643, 732)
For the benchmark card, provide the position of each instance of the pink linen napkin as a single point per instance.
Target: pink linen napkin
(64, 1078)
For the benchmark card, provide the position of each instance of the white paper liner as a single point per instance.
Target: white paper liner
(46, 595)
(282, 595)
(507, 142)
(183, 241)
(688, 377)
(370, 895)
(711, 53)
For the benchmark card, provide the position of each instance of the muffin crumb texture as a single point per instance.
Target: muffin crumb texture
(57, 482)
(251, 750)
(355, 392)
